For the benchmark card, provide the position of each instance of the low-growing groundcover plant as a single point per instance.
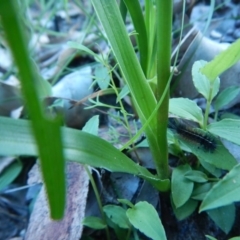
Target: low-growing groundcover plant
(212, 180)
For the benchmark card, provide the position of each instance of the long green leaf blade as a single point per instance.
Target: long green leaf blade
(111, 20)
(46, 132)
(141, 93)
(135, 11)
(16, 139)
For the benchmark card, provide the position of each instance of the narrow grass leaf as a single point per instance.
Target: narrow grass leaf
(52, 164)
(46, 132)
(84, 49)
(135, 11)
(17, 139)
(141, 93)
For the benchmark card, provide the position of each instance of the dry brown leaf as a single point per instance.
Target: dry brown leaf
(70, 228)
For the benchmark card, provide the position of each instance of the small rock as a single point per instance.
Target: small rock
(228, 39)
(236, 33)
(230, 32)
(74, 86)
(215, 34)
(237, 23)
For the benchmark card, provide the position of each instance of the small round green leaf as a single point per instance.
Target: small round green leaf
(226, 96)
(234, 238)
(102, 76)
(200, 192)
(210, 237)
(225, 192)
(181, 187)
(228, 129)
(185, 210)
(117, 215)
(94, 222)
(207, 88)
(92, 125)
(196, 176)
(144, 217)
(84, 49)
(186, 109)
(223, 216)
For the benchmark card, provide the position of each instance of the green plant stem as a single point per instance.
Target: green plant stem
(148, 5)
(125, 115)
(135, 234)
(123, 10)
(129, 232)
(164, 28)
(150, 22)
(206, 114)
(213, 179)
(141, 93)
(216, 115)
(135, 11)
(98, 200)
(137, 135)
(207, 110)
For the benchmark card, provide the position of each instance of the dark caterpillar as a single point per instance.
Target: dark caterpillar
(197, 136)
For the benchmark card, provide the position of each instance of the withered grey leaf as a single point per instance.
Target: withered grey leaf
(41, 226)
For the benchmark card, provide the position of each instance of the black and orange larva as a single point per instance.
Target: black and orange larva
(203, 139)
